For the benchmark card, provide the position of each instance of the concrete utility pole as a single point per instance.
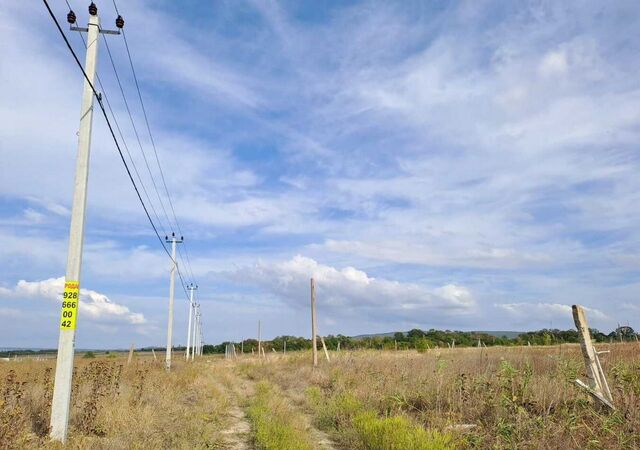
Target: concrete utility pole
(314, 324)
(196, 333)
(172, 283)
(191, 289)
(200, 340)
(193, 338)
(61, 400)
(199, 335)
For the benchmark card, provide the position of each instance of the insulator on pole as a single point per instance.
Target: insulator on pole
(93, 9)
(71, 17)
(119, 21)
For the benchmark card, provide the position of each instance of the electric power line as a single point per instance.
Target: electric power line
(113, 136)
(153, 144)
(124, 142)
(135, 131)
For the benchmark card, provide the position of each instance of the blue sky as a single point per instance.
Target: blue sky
(467, 165)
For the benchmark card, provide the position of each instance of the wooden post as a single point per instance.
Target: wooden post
(130, 354)
(242, 346)
(284, 348)
(326, 353)
(588, 352)
(597, 386)
(314, 324)
(338, 348)
(153, 352)
(259, 338)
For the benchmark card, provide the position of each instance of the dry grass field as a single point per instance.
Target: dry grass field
(512, 397)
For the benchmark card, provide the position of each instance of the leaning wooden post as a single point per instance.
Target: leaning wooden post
(588, 352)
(130, 354)
(326, 353)
(153, 352)
(314, 324)
(597, 387)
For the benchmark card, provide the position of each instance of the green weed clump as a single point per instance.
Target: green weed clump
(358, 428)
(397, 433)
(273, 422)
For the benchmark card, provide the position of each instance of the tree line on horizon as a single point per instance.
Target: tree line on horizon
(422, 340)
(414, 339)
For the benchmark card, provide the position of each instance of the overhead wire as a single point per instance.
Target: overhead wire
(124, 142)
(182, 281)
(152, 140)
(113, 136)
(135, 130)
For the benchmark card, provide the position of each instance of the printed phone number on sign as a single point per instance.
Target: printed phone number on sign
(70, 298)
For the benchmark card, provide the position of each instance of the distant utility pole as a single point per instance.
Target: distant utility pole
(259, 339)
(60, 404)
(172, 283)
(193, 338)
(314, 324)
(196, 332)
(199, 333)
(191, 289)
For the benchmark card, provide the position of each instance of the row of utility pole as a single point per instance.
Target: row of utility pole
(61, 401)
(194, 330)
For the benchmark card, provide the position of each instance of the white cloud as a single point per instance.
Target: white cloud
(93, 304)
(350, 290)
(553, 63)
(548, 311)
(494, 142)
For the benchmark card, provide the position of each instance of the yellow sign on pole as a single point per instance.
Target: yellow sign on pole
(70, 300)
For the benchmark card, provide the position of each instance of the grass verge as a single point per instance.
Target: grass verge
(274, 423)
(360, 429)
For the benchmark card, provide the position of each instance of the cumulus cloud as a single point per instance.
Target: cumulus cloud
(547, 312)
(348, 289)
(93, 304)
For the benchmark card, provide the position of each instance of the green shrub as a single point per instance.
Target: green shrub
(397, 433)
(89, 355)
(422, 345)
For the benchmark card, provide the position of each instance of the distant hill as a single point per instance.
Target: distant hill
(367, 336)
(508, 334)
